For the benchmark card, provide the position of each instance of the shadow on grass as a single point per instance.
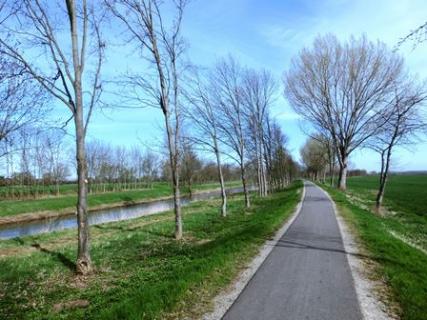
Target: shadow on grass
(57, 255)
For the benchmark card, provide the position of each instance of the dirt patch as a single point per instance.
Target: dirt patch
(70, 305)
(407, 241)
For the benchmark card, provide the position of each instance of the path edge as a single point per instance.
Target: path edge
(371, 307)
(224, 300)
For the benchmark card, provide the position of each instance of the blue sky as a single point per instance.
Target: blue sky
(267, 34)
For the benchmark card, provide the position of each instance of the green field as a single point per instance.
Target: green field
(406, 193)
(141, 271)
(36, 191)
(67, 203)
(405, 199)
(397, 263)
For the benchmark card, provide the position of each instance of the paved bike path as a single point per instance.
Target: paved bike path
(306, 275)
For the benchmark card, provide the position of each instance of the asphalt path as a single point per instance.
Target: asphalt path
(306, 275)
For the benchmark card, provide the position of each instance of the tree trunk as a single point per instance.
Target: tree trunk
(83, 264)
(173, 164)
(380, 194)
(221, 181)
(385, 165)
(190, 187)
(244, 183)
(342, 181)
(177, 205)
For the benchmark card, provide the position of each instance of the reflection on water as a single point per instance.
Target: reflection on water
(103, 216)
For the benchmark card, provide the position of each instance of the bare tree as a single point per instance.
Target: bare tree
(404, 123)
(258, 89)
(21, 101)
(203, 114)
(343, 88)
(281, 168)
(314, 157)
(150, 167)
(190, 165)
(228, 78)
(329, 147)
(55, 167)
(32, 36)
(148, 31)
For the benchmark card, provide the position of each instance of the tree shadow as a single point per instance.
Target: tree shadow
(295, 244)
(57, 255)
(19, 241)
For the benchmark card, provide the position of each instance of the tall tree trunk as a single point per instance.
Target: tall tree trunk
(173, 164)
(221, 181)
(385, 165)
(83, 264)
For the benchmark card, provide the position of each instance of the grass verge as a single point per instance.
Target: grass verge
(142, 273)
(401, 266)
(405, 203)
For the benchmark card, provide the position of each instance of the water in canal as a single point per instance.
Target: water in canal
(102, 216)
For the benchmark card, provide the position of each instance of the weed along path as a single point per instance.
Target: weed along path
(306, 275)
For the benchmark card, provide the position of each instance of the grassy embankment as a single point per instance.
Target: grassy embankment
(67, 202)
(400, 265)
(141, 271)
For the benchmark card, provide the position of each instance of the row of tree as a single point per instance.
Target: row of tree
(230, 115)
(58, 51)
(355, 94)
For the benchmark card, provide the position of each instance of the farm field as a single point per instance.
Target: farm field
(406, 193)
(405, 202)
(67, 202)
(139, 260)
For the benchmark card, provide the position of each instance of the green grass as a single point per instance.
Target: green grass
(405, 199)
(142, 273)
(403, 267)
(406, 193)
(63, 203)
(33, 191)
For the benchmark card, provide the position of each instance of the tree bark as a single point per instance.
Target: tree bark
(177, 207)
(342, 181)
(385, 165)
(83, 263)
(173, 164)
(244, 183)
(221, 181)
